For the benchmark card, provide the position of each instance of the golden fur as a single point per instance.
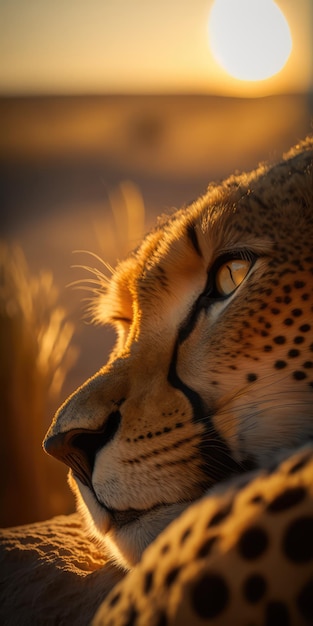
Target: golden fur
(206, 379)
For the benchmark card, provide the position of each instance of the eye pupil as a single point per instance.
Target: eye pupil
(231, 274)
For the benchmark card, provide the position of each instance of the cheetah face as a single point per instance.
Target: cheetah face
(212, 372)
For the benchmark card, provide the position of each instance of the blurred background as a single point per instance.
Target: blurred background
(112, 113)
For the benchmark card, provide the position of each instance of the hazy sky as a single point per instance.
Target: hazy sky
(121, 46)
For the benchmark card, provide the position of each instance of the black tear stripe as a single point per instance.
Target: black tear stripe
(217, 461)
(193, 397)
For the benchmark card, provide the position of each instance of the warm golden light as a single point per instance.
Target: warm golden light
(250, 39)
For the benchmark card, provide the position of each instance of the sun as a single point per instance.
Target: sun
(250, 39)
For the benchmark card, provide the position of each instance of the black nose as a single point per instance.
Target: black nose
(77, 448)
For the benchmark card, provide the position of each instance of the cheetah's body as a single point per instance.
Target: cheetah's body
(242, 557)
(212, 376)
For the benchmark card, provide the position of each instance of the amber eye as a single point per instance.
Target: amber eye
(230, 275)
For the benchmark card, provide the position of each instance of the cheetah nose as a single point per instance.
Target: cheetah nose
(78, 447)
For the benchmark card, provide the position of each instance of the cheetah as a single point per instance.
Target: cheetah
(172, 443)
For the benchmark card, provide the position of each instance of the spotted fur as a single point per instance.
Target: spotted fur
(244, 556)
(211, 377)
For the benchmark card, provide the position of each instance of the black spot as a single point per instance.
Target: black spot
(287, 499)
(279, 365)
(298, 540)
(280, 339)
(161, 619)
(305, 601)
(308, 365)
(171, 576)
(165, 548)
(267, 348)
(206, 547)
(252, 543)
(275, 311)
(132, 617)
(185, 535)
(277, 614)
(287, 288)
(299, 284)
(288, 321)
(298, 339)
(210, 596)
(298, 375)
(299, 464)
(293, 353)
(251, 378)
(220, 515)
(114, 600)
(148, 580)
(296, 312)
(305, 328)
(254, 588)
(257, 499)
(297, 263)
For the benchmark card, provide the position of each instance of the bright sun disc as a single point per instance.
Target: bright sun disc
(250, 39)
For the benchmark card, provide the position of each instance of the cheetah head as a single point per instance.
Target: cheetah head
(212, 372)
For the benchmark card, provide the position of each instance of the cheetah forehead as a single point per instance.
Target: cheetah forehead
(270, 205)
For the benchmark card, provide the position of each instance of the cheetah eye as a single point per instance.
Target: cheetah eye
(225, 275)
(231, 274)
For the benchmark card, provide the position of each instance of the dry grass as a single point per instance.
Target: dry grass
(36, 354)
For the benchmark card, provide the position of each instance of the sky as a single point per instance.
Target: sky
(118, 46)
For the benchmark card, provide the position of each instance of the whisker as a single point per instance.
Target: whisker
(82, 287)
(97, 257)
(84, 281)
(96, 284)
(93, 270)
